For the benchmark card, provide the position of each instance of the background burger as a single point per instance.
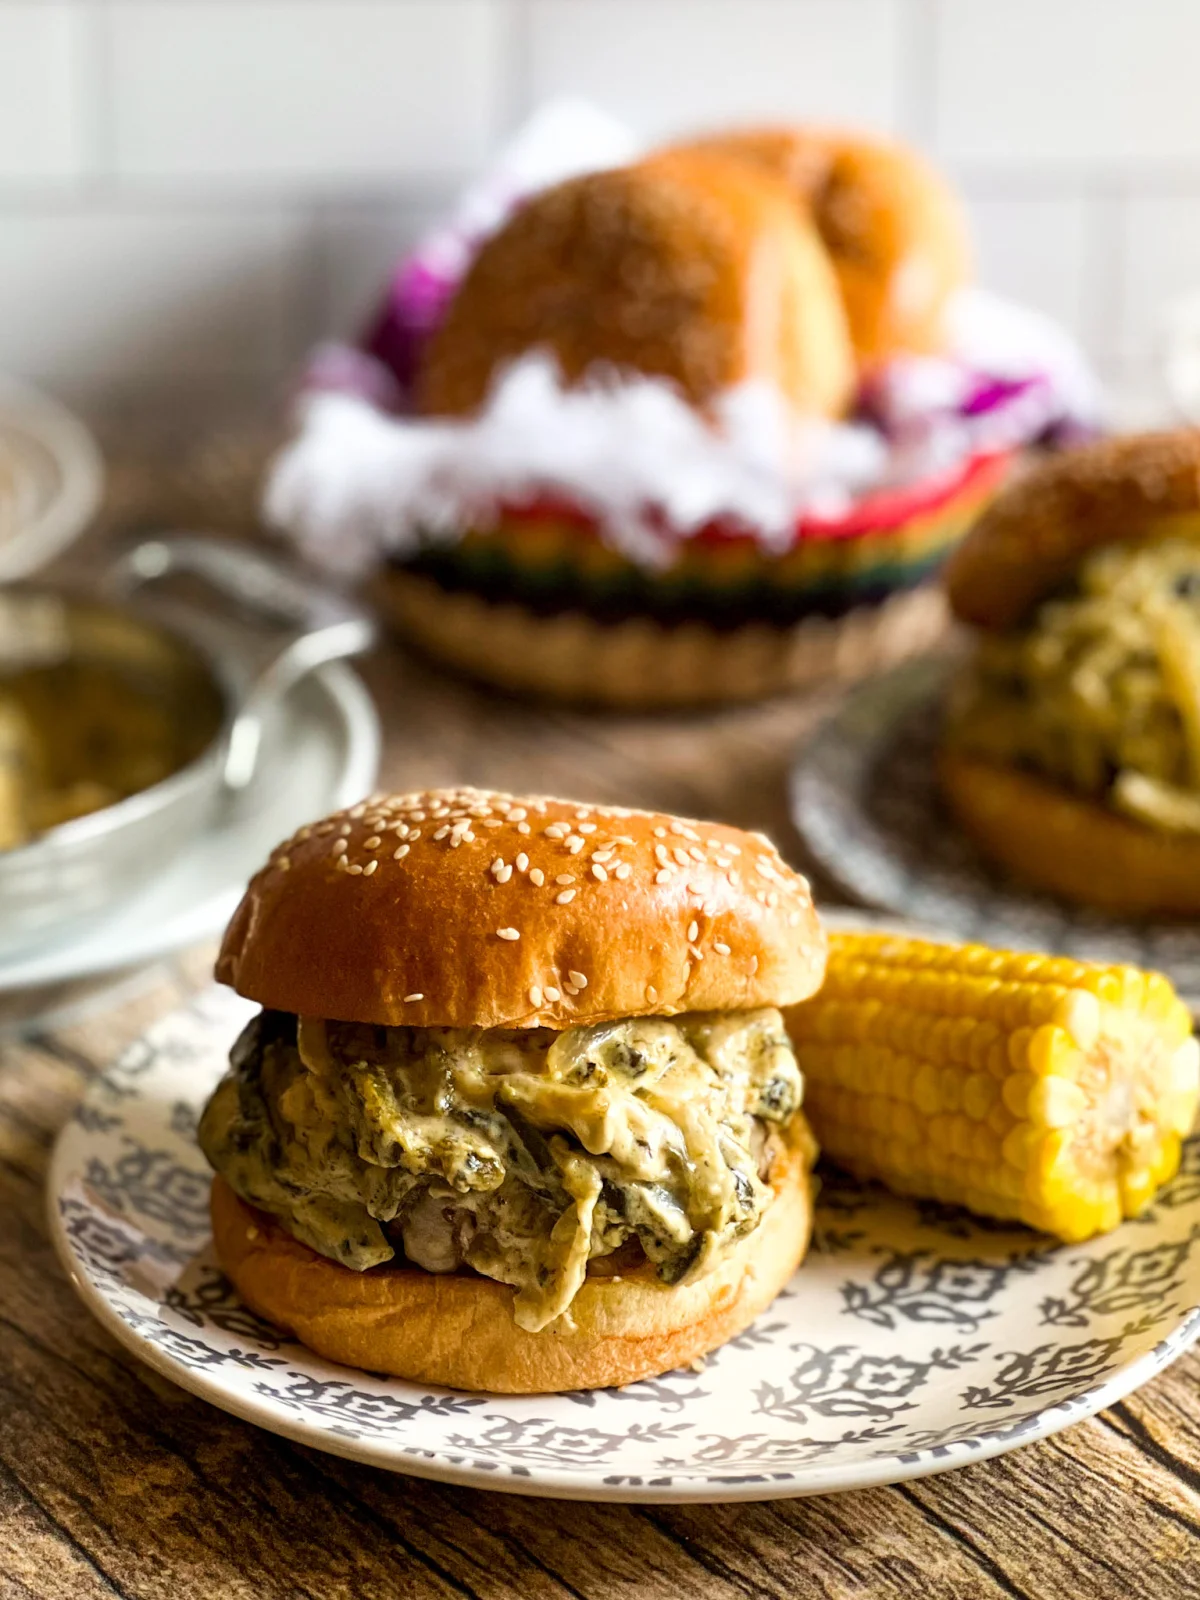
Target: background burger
(519, 1112)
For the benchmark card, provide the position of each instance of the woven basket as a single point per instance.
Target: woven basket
(638, 661)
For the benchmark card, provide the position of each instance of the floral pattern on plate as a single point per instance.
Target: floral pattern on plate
(865, 801)
(914, 1338)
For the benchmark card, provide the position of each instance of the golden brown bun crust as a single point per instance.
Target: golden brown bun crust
(658, 915)
(1033, 537)
(892, 225)
(1067, 846)
(458, 1329)
(694, 269)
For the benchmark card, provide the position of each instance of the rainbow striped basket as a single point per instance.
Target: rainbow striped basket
(539, 603)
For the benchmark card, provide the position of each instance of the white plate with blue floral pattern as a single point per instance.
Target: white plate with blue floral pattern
(913, 1339)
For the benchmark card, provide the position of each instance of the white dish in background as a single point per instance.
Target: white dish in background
(914, 1338)
(320, 752)
(51, 479)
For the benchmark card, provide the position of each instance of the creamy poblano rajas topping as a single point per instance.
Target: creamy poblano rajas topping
(1100, 691)
(524, 1155)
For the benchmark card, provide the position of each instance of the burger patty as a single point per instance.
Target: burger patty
(520, 1154)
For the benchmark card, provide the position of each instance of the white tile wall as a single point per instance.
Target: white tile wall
(1160, 241)
(1078, 83)
(149, 296)
(296, 92)
(191, 190)
(43, 96)
(1036, 249)
(672, 65)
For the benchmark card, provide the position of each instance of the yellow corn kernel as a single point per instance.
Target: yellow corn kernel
(1056, 1102)
(1028, 1087)
(978, 1095)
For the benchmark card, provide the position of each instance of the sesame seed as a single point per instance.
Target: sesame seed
(681, 856)
(442, 831)
(587, 827)
(522, 827)
(416, 995)
(355, 869)
(414, 834)
(345, 830)
(535, 995)
(793, 919)
(651, 993)
(400, 853)
(695, 852)
(552, 994)
(761, 896)
(497, 866)
(339, 847)
(724, 861)
(582, 812)
(569, 988)
(522, 862)
(603, 855)
(557, 830)
(713, 844)
(720, 948)
(504, 874)
(493, 822)
(372, 843)
(660, 833)
(772, 899)
(697, 889)
(661, 853)
(516, 814)
(575, 844)
(753, 965)
(537, 876)
(283, 863)
(416, 816)
(622, 870)
(693, 932)
(508, 933)
(598, 872)
(565, 898)
(663, 875)
(370, 868)
(565, 877)
(578, 979)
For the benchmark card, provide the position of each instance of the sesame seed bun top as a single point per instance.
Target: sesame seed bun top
(463, 908)
(1031, 540)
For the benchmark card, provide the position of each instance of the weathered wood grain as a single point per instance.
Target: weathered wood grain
(115, 1483)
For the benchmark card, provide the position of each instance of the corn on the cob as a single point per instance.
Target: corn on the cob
(1021, 1086)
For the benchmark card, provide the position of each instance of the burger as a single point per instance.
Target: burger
(1071, 748)
(519, 1112)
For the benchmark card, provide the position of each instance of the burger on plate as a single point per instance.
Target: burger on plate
(519, 1112)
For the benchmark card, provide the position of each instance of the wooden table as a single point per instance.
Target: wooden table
(113, 1482)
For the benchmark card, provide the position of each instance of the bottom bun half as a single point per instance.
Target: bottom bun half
(1075, 849)
(457, 1330)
